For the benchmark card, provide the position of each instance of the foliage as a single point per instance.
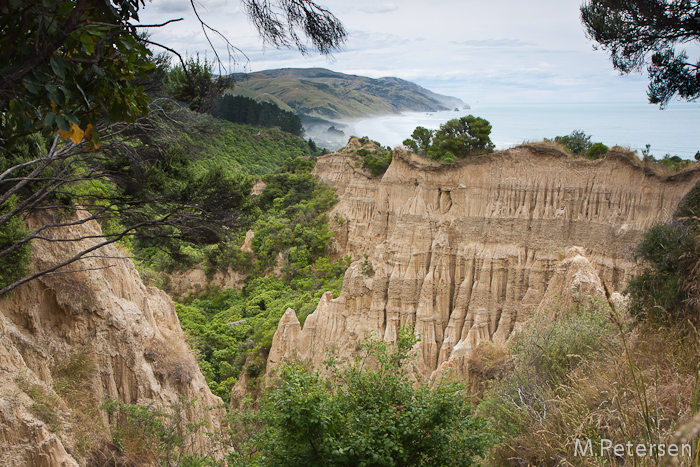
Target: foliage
(165, 437)
(455, 139)
(291, 223)
(369, 413)
(577, 142)
(232, 331)
(596, 151)
(70, 66)
(74, 74)
(642, 33)
(247, 149)
(377, 159)
(193, 82)
(467, 135)
(239, 109)
(669, 253)
(16, 263)
(665, 165)
(551, 349)
(524, 405)
(420, 141)
(665, 290)
(283, 23)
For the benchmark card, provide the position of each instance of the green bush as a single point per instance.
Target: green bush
(377, 161)
(596, 151)
(544, 353)
(16, 264)
(369, 413)
(577, 142)
(669, 253)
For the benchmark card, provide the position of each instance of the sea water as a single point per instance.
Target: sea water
(674, 130)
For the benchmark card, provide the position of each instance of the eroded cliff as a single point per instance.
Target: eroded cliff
(128, 340)
(467, 252)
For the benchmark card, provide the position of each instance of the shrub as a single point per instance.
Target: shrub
(545, 354)
(577, 142)
(145, 434)
(669, 252)
(369, 413)
(16, 264)
(596, 151)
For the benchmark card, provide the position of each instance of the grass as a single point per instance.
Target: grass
(45, 404)
(621, 383)
(73, 381)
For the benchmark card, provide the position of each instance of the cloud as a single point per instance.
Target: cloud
(170, 6)
(507, 51)
(494, 43)
(379, 8)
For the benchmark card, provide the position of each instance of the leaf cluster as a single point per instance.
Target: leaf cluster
(284, 23)
(193, 82)
(643, 33)
(69, 63)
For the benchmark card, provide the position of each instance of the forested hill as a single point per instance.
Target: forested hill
(324, 93)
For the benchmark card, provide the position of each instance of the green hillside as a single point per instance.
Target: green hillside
(324, 93)
(244, 148)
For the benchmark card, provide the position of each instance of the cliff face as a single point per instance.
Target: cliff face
(126, 334)
(468, 252)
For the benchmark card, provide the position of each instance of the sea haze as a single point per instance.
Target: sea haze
(674, 131)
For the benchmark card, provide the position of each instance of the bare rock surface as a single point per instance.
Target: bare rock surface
(469, 251)
(102, 311)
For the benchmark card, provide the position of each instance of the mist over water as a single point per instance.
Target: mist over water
(674, 131)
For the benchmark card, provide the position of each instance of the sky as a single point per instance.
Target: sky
(500, 51)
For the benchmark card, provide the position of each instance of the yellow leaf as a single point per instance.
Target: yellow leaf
(75, 134)
(88, 138)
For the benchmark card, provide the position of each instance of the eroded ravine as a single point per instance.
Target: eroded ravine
(468, 252)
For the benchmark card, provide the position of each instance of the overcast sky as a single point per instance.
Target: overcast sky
(481, 52)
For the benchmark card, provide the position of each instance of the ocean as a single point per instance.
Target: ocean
(673, 131)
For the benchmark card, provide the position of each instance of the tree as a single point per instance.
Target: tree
(464, 136)
(420, 140)
(239, 109)
(577, 142)
(72, 82)
(369, 413)
(140, 183)
(455, 139)
(641, 33)
(194, 83)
